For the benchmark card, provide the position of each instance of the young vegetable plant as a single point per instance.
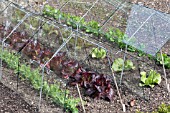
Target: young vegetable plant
(118, 65)
(74, 21)
(163, 108)
(69, 67)
(93, 27)
(69, 20)
(119, 36)
(166, 60)
(141, 49)
(49, 11)
(150, 79)
(98, 53)
(110, 35)
(33, 49)
(96, 85)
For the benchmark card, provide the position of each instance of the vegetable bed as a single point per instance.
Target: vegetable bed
(80, 71)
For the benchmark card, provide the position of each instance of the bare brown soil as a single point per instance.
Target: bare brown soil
(161, 5)
(12, 102)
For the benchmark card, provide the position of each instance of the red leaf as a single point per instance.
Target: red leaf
(109, 94)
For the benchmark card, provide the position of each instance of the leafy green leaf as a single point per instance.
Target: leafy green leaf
(129, 65)
(143, 76)
(118, 65)
(163, 108)
(98, 53)
(152, 79)
(166, 60)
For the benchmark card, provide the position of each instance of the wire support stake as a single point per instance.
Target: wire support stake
(18, 73)
(118, 92)
(42, 80)
(165, 75)
(1, 62)
(78, 89)
(123, 66)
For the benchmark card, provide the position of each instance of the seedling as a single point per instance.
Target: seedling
(163, 108)
(93, 27)
(119, 36)
(118, 65)
(98, 53)
(74, 21)
(110, 35)
(166, 60)
(152, 79)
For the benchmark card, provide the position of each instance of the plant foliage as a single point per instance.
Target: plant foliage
(52, 90)
(98, 53)
(152, 79)
(96, 85)
(166, 60)
(118, 65)
(163, 108)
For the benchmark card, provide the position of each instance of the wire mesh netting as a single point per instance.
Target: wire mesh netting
(148, 30)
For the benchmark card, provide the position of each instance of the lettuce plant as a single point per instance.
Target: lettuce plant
(110, 35)
(118, 65)
(119, 36)
(98, 53)
(166, 60)
(74, 21)
(150, 79)
(69, 67)
(96, 85)
(163, 108)
(93, 27)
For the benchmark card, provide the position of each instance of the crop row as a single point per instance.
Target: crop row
(93, 27)
(58, 95)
